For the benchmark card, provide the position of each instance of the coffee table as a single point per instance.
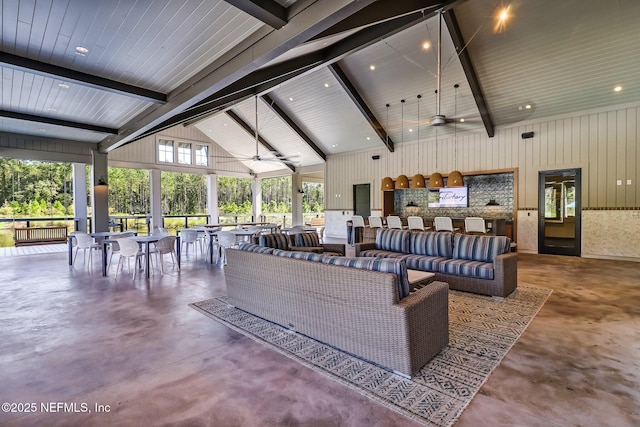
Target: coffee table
(419, 278)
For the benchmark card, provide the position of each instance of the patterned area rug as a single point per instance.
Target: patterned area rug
(481, 332)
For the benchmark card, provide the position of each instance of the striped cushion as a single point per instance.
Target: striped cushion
(461, 267)
(431, 244)
(308, 256)
(251, 247)
(275, 240)
(307, 239)
(393, 240)
(423, 262)
(394, 266)
(381, 254)
(479, 248)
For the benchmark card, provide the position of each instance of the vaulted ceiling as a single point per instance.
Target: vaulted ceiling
(314, 77)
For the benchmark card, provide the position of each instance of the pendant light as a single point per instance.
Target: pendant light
(455, 177)
(387, 182)
(402, 181)
(417, 181)
(436, 180)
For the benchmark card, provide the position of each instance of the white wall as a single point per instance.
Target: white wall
(601, 142)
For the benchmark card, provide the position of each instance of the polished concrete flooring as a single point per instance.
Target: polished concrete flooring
(70, 336)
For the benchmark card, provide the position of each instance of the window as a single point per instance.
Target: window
(184, 153)
(165, 151)
(202, 155)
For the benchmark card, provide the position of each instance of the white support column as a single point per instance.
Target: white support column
(99, 193)
(155, 184)
(212, 198)
(79, 171)
(256, 201)
(296, 198)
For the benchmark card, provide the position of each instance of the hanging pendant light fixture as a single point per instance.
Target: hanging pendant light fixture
(436, 180)
(402, 181)
(387, 182)
(417, 181)
(455, 177)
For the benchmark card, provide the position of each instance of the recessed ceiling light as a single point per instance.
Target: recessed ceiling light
(81, 50)
(290, 99)
(326, 85)
(618, 88)
(63, 85)
(53, 110)
(504, 14)
(528, 106)
(368, 138)
(426, 45)
(334, 145)
(224, 124)
(372, 67)
(461, 120)
(410, 130)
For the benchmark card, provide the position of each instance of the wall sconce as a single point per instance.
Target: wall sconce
(411, 204)
(493, 202)
(300, 191)
(101, 181)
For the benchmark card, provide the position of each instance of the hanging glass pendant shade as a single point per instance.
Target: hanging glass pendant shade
(402, 181)
(387, 184)
(436, 180)
(455, 179)
(418, 181)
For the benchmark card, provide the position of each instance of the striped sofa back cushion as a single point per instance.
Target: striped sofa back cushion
(307, 239)
(307, 256)
(438, 244)
(252, 247)
(393, 240)
(479, 248)
(274, 240)
(395, 266)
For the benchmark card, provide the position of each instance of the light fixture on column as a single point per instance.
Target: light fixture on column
(101, 181)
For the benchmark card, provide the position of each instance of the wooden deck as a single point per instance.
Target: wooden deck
(33, 250)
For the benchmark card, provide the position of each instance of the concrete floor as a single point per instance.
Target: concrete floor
(70, 336)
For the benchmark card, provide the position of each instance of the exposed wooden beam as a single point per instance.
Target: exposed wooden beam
(75, 77)
(362, 105)
(247, 128)
(267, 11)
(465, 60)
(384, 10)
(56, 122)
(293, 125)
(264, 79)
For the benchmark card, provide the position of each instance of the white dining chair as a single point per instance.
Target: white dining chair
(444, 223)
(85, 242)
(189, 237)
(474, 224)
(115, 246)
(166, 245)
(394, 221)
(357, 221)
(375, 222)
(129, 248)
(226, 239)
(415, 223)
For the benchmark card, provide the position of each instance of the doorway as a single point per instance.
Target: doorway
(559, 207)
(362, 200)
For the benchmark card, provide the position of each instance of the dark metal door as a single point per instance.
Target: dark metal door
(559, 208)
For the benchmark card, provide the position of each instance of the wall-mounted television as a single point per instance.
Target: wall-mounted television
(449, 197)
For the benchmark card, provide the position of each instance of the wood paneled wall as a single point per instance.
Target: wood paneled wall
(603, 143)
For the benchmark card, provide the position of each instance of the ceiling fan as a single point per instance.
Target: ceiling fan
(268, 156)
(440, 119)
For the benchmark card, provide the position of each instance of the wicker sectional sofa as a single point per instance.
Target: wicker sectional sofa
(349, 303)
(472, 263)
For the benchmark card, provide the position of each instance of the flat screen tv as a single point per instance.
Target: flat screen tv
(449, 197)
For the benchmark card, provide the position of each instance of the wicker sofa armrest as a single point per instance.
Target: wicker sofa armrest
(364, 246)
(335, 247)
(506, 268)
